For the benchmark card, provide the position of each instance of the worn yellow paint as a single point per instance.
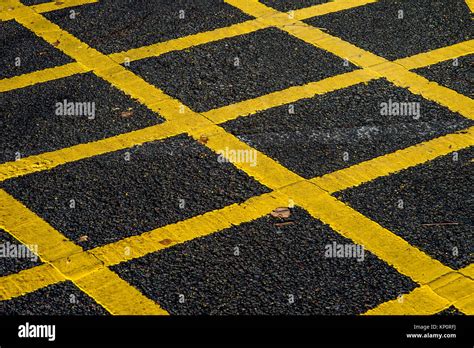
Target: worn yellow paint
(195, 227)
(468, 271)
(289, 95)
(421, 301)
(395, 161)
(466, 304)
(28, 280)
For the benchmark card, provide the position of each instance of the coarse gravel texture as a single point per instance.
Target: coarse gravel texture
(458, 77)
(429, 205)
(288, 5)
(162, 182)
(32, 124)
(341, 128)
(58, 299)
(14, 263)
(34, 2)
(119, 25)
(271, 263)
(376, 27)
(24, 52)
(240, 68)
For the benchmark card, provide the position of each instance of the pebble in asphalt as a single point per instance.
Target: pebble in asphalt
(239, 68)
(344, 127)
(429, 205)
(24, 52)
(31, 124)
(424, 26)
(58, 299)
(259, 268)
(128, 192)
(118, 25)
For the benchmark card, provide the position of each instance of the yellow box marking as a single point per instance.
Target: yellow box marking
(86, 269)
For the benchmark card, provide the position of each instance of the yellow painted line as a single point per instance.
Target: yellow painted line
(395, 73)
(421, 301)
(45, 7)
(187, 42)
(83, 268)
(28, 280)
(453, 286)
(289, 95)
(267, 171)
(28, 228)
(329, 7)
(183, 231)
(468, 271)
(116, 295)
(50, 160)
(470, 4)
(438, 55)
(41, 76)
(395, 161)
(466, 305)
(351, 224)
(429, 90)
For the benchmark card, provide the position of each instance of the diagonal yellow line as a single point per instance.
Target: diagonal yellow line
(438, 55)
(29, 280)
(404, 257)
(49, 160)
(329, 7)
(470, 4)
(289, 95)
(9, 12)
(195, 227)
(69, 261)
(395, 161)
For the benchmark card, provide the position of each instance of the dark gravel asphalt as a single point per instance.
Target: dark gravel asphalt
(10, 264)
(314, 140)
(31, 126)
(206, 77)
(426, 25)
(119, 25)
(33, 52)
(58, 299)
(115, 198)
(270, 266)
(432, 195)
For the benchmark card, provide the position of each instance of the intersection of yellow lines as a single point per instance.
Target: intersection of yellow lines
(440, 286)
